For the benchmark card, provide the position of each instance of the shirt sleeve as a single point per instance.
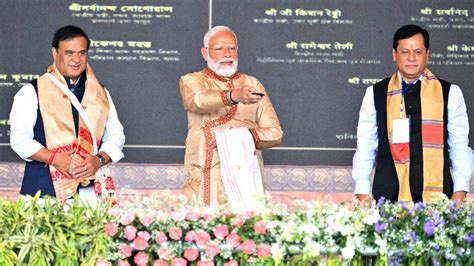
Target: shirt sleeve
(198, 99)
(367, 143)
(113, 139)
(460, 153)
(23, 117)
(269, 132)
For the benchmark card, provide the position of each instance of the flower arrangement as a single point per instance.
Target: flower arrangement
(166, 230)
(435, 234)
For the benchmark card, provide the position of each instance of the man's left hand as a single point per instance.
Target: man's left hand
(88, 167)
(459, 196)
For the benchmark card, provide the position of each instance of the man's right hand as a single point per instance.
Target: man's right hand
(62, 162)
(244, 95)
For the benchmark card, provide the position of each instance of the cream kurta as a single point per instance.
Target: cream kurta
(208, 110)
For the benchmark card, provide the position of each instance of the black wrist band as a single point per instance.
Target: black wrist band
(230, 97)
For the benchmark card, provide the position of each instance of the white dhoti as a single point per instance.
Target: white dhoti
(240, 170)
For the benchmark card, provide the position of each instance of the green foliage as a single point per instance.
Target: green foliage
(51, 234)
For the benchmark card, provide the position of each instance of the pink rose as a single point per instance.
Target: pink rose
(231, 263)
(124, 250)
(208, 217)
(146, 220)
(250, 214)
(193, 216)
(221, 231)
(144, 234)
(190, 235)
(160, 238)
(248, 246)
(165, 253)
(123, 263)
(212, 249)
(202, 238)
(205, 263)
(238, 221)
(227, 213)
(103, 262)
(160, 262)
(264, 250)
(109, 184)
(130, 232)
(140, 243)
(233, 240)
(175, 233)
(178, 262)
(127, 219)
(141, 258)
(111, 229)
(115, 211)
(191, 254)
(260, 227)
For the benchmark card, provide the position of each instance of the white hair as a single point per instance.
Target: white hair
(214, 31)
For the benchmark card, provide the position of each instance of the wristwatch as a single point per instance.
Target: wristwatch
(102, 160)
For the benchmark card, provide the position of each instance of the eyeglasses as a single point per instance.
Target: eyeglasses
(221, 49)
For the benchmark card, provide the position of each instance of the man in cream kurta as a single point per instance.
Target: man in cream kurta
(216, 98)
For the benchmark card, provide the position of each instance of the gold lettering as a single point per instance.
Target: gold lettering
(336, 13)
(286, 12)
(466, 48)
(271, 12)
(354, 80)
(453, 48)
(309, 45)
(324, 46)
(75, 7)
(426, 11)
(301, 12)
(445, 11)
(292, 45)
(16, 77)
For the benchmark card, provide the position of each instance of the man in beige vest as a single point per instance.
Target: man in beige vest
(216, 98)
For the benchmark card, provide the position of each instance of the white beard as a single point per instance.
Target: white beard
(224, 71)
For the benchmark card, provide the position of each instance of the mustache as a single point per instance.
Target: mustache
(225, 60)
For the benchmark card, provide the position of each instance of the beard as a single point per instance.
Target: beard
(224, 71)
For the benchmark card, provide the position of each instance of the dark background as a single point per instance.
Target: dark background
(317, 105)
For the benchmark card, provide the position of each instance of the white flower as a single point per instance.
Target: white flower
(308, 229)
(372, 217)
(333, 224)
(272, 224)
(312, 248)
(348, 252)
(278, 252)
(382, 244)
